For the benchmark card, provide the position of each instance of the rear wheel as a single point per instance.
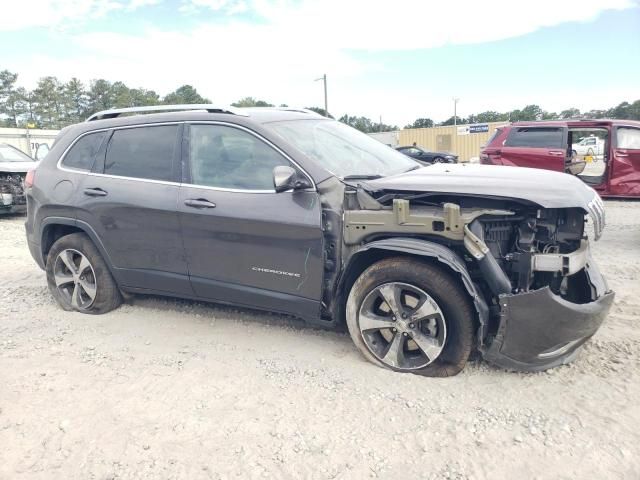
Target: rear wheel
(411, 316)
(78, 277)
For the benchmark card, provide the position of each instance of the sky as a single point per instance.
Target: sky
(396, 60)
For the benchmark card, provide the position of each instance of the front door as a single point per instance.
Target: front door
(129, 201)
(624, 179)
(246, 244)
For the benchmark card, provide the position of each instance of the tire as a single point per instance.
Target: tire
(78, 277)
(438, 160)
(450, 325)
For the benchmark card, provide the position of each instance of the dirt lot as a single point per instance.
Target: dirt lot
(174, 389)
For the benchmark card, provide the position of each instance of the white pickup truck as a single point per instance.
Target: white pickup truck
(591, 145)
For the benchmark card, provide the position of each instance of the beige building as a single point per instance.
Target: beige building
(463, 140)
(27, 140)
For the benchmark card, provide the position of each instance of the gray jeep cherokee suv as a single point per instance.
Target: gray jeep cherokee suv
(287, 211)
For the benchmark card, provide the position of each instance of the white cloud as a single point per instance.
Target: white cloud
(278, 58)
(135, 4)
(18, 15)
(230, 7)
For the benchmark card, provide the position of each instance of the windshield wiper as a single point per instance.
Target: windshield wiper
(361, 177)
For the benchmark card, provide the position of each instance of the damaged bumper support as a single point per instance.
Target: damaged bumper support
(539, 330)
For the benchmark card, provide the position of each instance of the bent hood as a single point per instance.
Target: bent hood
(543, 187)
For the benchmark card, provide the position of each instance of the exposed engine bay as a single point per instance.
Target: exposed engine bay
(517, 247)
(11, 190)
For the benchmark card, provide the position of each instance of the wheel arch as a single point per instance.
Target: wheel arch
(375, 251)
(54, 228)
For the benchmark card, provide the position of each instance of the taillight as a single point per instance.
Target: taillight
(30, 178)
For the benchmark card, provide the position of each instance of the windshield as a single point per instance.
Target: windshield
(342, 150)
(11, 154)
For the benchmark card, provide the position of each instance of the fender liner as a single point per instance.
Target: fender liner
(443, 255)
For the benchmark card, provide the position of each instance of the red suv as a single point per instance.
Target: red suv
(603, 153)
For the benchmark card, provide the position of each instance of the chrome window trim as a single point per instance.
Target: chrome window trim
(259, 137)
(165, 182)
(145, 180)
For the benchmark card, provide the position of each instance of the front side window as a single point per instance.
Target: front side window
(227, 157)
(83, 152)
(142, 152)
(535, 137)
(629, 138)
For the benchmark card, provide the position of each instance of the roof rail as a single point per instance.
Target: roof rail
(116, 112)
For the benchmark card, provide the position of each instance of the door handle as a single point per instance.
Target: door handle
(556, 152)
(95, 192)
(621, 153)
(199, 203)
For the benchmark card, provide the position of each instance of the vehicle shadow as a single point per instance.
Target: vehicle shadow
(228, 312)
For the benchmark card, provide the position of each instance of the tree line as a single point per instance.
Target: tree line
(54, 104)
(623, 111)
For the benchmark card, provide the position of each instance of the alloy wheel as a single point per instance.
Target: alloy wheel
(402, 326)
(75, 278)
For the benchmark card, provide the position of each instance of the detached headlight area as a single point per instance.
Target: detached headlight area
(596, 212)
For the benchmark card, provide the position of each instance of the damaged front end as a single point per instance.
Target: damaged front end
(530, 265)
(549, 296)
(12, 196)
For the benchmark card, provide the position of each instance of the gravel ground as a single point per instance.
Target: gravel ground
(165, 388)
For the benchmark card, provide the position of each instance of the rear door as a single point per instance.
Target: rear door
(129, 200)
(624, 178)
(245, 243)
(535, 147)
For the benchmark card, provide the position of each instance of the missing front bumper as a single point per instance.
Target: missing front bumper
(539, 330)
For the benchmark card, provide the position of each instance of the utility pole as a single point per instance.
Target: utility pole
(326, 104)
(455, 111)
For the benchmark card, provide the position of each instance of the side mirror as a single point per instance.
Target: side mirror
(286, 178)
(42, 151)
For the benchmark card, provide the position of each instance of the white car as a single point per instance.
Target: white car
(14, 166)
(591, 145)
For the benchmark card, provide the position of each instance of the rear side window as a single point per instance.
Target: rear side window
(536, 137)
(143, 152)
(628, 138)
(83, 152)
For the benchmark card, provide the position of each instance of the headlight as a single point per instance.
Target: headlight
(596, 212)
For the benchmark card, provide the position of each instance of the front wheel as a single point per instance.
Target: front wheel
(438, 160)
(411, 316)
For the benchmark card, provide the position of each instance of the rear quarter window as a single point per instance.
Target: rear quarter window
(493, 137)
(82, 153)
(535, 137)
(628, 138)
